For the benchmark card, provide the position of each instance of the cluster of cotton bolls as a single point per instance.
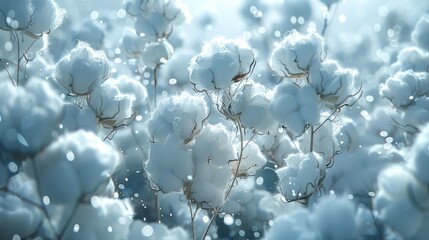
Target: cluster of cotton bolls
(402, 199)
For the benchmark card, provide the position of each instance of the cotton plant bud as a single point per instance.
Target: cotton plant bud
(30, 16)
(29, 116)
(83, 70)
(76, 169)
(294, 55)
(402, 201)
(156, 53)
(170, 165)
(299, 179)
(116, 101)
(333, 84)
(220, 63)
(182, 115)
(420, 35)
(295, 107)
(403, 88)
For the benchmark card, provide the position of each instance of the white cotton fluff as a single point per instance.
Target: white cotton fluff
(335, 218)
(403, 88)
(419, 163)
(29, 116)
(83, 70)
(17, 217)
(295, 107)
(220, 63)
(155, 231)
(102, 218)
(117, 101)
(324, 141)
(215, 146)
(75, 118)
(276, 147)
(181, 114)
(411, 58)
(30, 16)
(300, 177)
(294, 55)
(170, 164)
(252, 104)
(414, 116)
(332, 83)
(174, 10)
(401, 201)
(156, 53)
(420, 35)
(9, 46)
(252, 159)
(131, 44)
(75, 164)
(152, 26)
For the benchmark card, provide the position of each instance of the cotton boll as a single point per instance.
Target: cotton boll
(17, 217)
(131, 43)
(421, 32)
(411, 58)
(251, 161)
(296, 53)
(401, 201)
(276, 147)
(214, 145)
(156, 53)
(300, 177)
(415, 115)
(183, 114)
(220, 63)
(29, 116)
(75, 118)
(419, 156)
(174, 10)
(102, 218)
(324, 141)
(152, 26)
(155, 231)
(170, 164)
(91, 32)
(177, 68)
(332, 83)
(83, 70)
(67, 168)
(335, 218)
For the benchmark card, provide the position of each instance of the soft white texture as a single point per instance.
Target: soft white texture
(404, 87)
(17, 217)
(221, 62)
(332, 83)
(295, 107)
(411, 58)
(155, 231)
(324, 141)
(300, 177)
(131, 43)
(75, 118)
(29, 115)
(83, 70)
(252, 159)
(75, 165)
(420, 35)
(102, 218)
(156, 53)
(401, 201)
(117, 101)
(294, 55)
(182, 114)
(419, 162)
(9, 46)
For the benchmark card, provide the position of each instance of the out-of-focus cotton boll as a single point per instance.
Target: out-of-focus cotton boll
(335, 218)
(91, 32)
(401, 201)
(404, 87)
(155, 231)
(183, 115)
(295, 107)
(75, 118)
(252, 160)
(174, 10)
(9, 45)
(411, 58)
(295, 54)
(252, 104)
(419, 163)
(332, 83)
(68, 169)
(300, 177)
(116, 101)
(152, 26)
(17, 217)
(324, 141)
(30, 16)
(102, 218)
(220, 63)
(297, 8)
(29, 116)
(415, 116)
(132, 44)
(420, 35)
(214, 145)
(170, 164)
(156, 53)
(83, 70)
(276, 147)
(176, 68)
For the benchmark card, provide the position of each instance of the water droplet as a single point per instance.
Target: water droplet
(76, 228)
(228, 219)
(190, 177)
(259, 180)
(46, 200)
(16, 237)
(13, 167)
(109, 229)
(384, 134)
(147, 231)
(70, 156)
(369, 98)
(94, 15)
(172, 81)
(22, 140)
(121, 13)
(8, 46)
